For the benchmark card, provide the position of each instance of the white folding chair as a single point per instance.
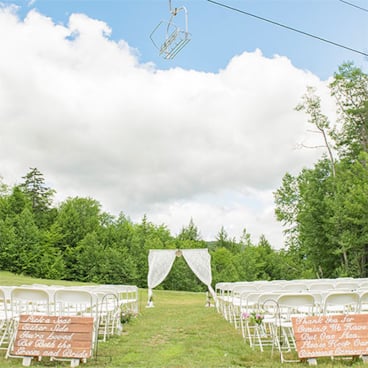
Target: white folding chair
(25, 301)
(340, 302)
(267, 307)
(128, 296)
(109, 312)
(29, 300)
(226, 300)
(363, 307)
(257, 316)
(289, 306)
(77, 303)
(220, 288)
(248, 305)
(235, 307)
(5, 319)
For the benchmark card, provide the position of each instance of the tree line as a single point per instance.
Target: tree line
(76, 240)
(323, 210)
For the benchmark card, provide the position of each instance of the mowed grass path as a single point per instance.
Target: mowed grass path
(179, 332)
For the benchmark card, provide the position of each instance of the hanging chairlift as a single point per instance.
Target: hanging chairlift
(174, 38)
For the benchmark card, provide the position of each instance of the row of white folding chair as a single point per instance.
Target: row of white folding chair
(224, 297)
(105, 301)
(251, 304)
(109, 311)
(224, 290)
(228, 302)
(71, 301)
(331, 302)
(345, 283)
(128, 296)
(276, 309)
(115, 299)
(102, 302)
(229, 296)
(228, 293)
(269, 303)
(37, 301)
(335, 302)
(11, 306)
(102, 306)
(264, 314)
(234, 302)
(248, 300)
(105, 305)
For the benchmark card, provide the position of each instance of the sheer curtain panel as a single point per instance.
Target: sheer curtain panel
(160, 262)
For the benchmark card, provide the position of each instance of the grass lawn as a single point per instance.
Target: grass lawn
(179, 332)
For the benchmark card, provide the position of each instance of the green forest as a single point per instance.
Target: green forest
(323, 209)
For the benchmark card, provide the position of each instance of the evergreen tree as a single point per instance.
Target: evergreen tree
(40, 197)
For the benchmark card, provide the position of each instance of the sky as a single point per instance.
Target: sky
(86, 97)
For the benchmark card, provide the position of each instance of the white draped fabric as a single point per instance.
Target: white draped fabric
(160, 262)
(199, 260)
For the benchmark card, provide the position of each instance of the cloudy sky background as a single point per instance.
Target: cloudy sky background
(85, 98)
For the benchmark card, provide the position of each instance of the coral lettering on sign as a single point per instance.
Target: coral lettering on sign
(337, 335)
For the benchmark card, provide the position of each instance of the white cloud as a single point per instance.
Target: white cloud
(171, 144)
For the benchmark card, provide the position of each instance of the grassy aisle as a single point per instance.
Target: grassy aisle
(179, 332)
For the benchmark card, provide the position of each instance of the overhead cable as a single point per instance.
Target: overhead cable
(354, 5)
(289, 28)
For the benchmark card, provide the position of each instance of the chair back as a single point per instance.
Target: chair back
(302, 304)
(75, 302)
(29, 300)
(321, 286)
(293, 287)
(341, 302)
(363, 307)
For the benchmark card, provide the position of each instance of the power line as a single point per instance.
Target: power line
(289, 28)
(354, 5)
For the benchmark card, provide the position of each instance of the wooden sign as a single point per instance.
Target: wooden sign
(54, 336)
(331, 335)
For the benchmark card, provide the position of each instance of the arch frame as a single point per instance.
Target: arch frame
(160, 262)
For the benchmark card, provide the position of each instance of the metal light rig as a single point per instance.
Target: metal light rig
(169, 38)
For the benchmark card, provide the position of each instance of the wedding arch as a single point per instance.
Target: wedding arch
(160, 262)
